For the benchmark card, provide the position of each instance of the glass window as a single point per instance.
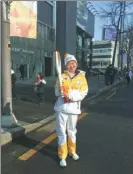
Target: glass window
(102, 45)
(102, 56)
(79, 41)
(95, 63)
(39, 29)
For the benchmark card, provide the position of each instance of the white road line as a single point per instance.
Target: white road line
(111, 95)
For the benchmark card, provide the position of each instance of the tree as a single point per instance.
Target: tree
(115, 13)
(128, 45)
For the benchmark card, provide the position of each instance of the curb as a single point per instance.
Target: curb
(7, 135)
(10, 134)
(104, 90)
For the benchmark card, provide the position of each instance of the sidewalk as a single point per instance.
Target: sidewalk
(50, 81)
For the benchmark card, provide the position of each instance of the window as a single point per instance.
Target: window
(105, 63)
(102, 56)
(109, 45)
(51, 34)
(45, 13)
(39, 29)
(95, 51)
(79, 41)
(101, 50)
(95, 63)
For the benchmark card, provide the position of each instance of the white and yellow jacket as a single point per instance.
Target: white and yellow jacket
(77, 89)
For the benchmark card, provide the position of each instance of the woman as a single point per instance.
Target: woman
(39, 87)
(67, 108)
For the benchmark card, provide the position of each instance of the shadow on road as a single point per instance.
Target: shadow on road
(49, 150)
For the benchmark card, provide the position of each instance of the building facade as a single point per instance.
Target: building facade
(103, 54)
(85, 33)
(62, 25)
(37, 54)
(76, 32)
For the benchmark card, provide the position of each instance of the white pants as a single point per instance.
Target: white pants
(66, 123)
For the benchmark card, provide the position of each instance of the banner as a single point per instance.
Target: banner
(23, 19)
(109, 33)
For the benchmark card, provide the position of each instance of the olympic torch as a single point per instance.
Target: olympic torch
(58, 69)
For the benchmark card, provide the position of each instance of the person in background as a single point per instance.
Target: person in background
(21, 69)
(106, 76)
(39, 85)
(111, 73)
(127, 77)
(130, 74)
(13, 80)
(67, 108)
(38, 77)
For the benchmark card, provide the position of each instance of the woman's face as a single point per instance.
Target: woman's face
(38, 75)
(71, 66)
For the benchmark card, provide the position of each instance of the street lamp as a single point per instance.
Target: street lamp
(8, 119)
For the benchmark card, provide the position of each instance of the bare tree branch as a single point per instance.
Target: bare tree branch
(115, 13)
(128, 41)
(112, 13)
(8, 3)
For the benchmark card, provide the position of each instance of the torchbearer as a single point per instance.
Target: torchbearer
(71, 88)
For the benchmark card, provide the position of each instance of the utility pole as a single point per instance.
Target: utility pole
(8, 119)
(120, 46)
(122, 30)
(117, 34)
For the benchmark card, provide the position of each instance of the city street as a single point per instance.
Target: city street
(26, 91)
(27, 110)
(104, 142)
(41, 39)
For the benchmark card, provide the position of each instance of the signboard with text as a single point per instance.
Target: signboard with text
(109, 33)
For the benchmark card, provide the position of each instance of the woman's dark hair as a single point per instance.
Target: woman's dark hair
(39, 73)
(41, 76)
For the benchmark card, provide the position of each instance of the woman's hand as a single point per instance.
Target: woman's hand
(65, 95)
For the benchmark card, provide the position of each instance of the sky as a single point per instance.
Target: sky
(100, 22)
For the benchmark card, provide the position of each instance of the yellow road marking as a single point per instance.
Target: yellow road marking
(43, 143)
(111, 95)
(38, 147)
(82, 115)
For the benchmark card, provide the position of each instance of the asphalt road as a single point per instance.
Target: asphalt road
(26, 92)
(104, 142)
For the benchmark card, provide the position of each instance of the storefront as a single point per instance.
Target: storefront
(35, 54)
